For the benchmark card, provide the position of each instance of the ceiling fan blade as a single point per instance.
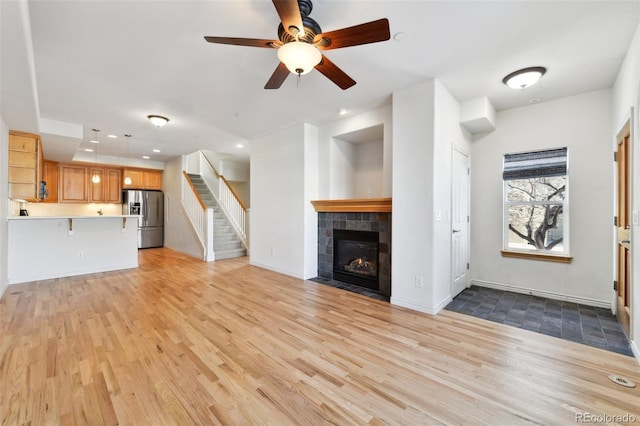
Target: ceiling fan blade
(278, 77)
(238, 41)
(370, 32)
(335, 74)
(289, 13)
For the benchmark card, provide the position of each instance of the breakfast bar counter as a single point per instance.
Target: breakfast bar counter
(44, 247)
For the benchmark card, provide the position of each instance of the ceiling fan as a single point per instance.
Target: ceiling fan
(300, 42)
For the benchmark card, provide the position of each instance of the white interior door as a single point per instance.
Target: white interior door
(459, 222)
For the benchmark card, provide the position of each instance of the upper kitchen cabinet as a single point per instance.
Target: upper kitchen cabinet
(50, 176)
(143, 179)
(109, 189)
(74, 184)
(26, 166)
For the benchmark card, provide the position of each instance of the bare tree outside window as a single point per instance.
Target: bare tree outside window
(535, 185)
(538, 220)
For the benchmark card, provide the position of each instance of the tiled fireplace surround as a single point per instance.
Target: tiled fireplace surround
(357, 221)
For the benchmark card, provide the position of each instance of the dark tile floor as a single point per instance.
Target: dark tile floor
(570, 321)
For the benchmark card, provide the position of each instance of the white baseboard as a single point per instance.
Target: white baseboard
(278, 270)
(548, 294)
(421, 308)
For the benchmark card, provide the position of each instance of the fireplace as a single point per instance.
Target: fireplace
(355, 257)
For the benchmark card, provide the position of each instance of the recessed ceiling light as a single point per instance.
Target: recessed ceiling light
(342, 111)
(146, 157)
(112, 136)
(399, 36)
(156, 150)
(534, 100)
(88, 150)
(239, 145)
(524, 78)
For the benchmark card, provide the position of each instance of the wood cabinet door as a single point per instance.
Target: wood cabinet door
(96, 189)
(50, 176)
(74, 182)
(137, 178)
(113, 186)
(153, 179)
(25, 142)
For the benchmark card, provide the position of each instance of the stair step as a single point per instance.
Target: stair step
(226, 245)
(228, 254)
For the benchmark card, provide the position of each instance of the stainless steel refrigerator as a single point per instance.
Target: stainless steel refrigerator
(150, 206)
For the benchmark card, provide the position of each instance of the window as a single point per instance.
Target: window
(536, 202)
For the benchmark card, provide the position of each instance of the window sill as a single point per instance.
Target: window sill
(560, 258)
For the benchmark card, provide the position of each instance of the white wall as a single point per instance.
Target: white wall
(368, 164)
(341, 162)
(235, 171)
(4, 196)
(283, 182)
(448, 134)
(425, 130)
(583, 124)
(626, 94)
(178, 232)
(412, 218)
(330, 184)
(40, 249)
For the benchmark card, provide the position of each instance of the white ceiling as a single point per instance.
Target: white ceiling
(109, 64)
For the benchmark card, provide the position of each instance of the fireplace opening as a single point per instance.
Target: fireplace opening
(355, 257)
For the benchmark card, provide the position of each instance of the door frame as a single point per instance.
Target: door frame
(627, 126)
(468, 235)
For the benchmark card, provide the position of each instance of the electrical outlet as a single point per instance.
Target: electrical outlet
(438, 215)
(418, 281)
(80, 255)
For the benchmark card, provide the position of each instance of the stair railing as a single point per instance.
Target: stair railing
(201, 218)
(227, 199)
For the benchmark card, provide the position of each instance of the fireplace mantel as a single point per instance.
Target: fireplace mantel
(366, 205)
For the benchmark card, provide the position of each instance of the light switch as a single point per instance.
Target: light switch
(635, 218)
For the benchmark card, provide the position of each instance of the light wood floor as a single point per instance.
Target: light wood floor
(180, 341)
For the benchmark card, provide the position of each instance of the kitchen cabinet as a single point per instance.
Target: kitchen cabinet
(77, 186)
(109, 189)
(50, 176)
(26, 165)
(143, 179)
(74, 184)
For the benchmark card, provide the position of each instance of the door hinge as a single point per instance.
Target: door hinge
(615, 156)
(467, 266)
(468, 172)
(615, 221)
(467, 219)
(615, 285)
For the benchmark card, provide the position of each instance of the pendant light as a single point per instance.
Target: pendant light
(127, 179)
(96, 177)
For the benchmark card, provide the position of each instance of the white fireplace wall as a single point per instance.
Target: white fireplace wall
(368, 164)
(331, 176)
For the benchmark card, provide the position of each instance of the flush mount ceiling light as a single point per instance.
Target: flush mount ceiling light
(158, 120)
(524, 78)
(299, 57)
(96, 177)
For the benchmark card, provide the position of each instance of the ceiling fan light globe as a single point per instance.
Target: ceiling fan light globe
(299, 57)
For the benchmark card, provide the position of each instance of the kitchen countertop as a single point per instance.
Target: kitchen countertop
(121, 216)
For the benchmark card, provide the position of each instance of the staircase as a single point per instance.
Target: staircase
(226, 243)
